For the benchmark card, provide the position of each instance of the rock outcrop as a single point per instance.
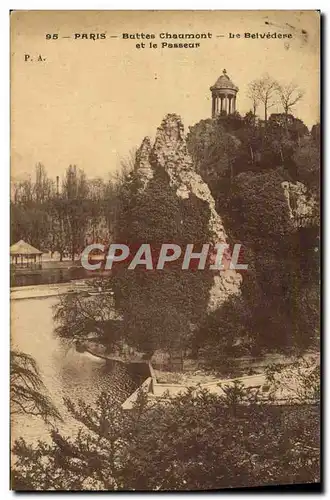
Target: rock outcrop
(301, 204)
(142, 164)
(170, 153)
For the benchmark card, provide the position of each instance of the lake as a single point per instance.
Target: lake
(65, 372)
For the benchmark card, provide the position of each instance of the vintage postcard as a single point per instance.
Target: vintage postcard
(165, 238)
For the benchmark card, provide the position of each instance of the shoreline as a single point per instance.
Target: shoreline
(41, 291)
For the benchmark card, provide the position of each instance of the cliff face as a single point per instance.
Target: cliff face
(300, 204)
(170, 153)
(142, 164)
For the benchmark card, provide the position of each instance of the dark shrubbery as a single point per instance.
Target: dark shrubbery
(278, 308)
(188, 443)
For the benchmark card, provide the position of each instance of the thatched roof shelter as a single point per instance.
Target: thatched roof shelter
(23, 254)
(23, 248)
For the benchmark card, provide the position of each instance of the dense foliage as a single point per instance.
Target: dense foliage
(279, 307)
(28, 394)
(187, 443)
(158, 308)
(59, 218)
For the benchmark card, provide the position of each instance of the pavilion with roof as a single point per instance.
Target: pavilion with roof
(24, 255)
(224, 93)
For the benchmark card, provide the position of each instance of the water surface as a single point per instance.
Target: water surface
(65, 372)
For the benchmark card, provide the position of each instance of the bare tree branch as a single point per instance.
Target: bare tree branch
(289, 95)
(265, 89)
(253, 95)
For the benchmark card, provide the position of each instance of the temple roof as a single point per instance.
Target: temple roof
(23, 248)
(224, 82)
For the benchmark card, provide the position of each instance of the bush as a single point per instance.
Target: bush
(188, 443)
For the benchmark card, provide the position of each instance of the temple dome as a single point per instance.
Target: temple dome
(224, 93)
(224, 82)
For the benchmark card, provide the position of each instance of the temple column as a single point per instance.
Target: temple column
(213, 106)
(229, 104)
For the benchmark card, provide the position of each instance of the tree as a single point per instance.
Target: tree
(289, 95)
(307, 160)
(78, 317)
(227, 332)
(43, 187)
(159, 306)
(31, 223)
(254, 96)
(250, 224)
(190, 442)
(93, 460)
(61, 220)
(95, 204)
(30, 217)
(316, 133)
(58, 233)
(23, 192)
(74, 195)
(214, 151)
(265, 90)
(27, 391)
(274, 289)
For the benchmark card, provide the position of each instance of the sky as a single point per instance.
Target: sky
(89, 102)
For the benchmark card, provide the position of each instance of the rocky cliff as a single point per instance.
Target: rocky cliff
(170, 153)
(142, 162)
(301, 204)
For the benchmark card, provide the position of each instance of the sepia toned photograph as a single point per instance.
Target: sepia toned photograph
(165, 250)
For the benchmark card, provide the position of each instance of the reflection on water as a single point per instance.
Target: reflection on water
(47, 276)
(65, 372)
